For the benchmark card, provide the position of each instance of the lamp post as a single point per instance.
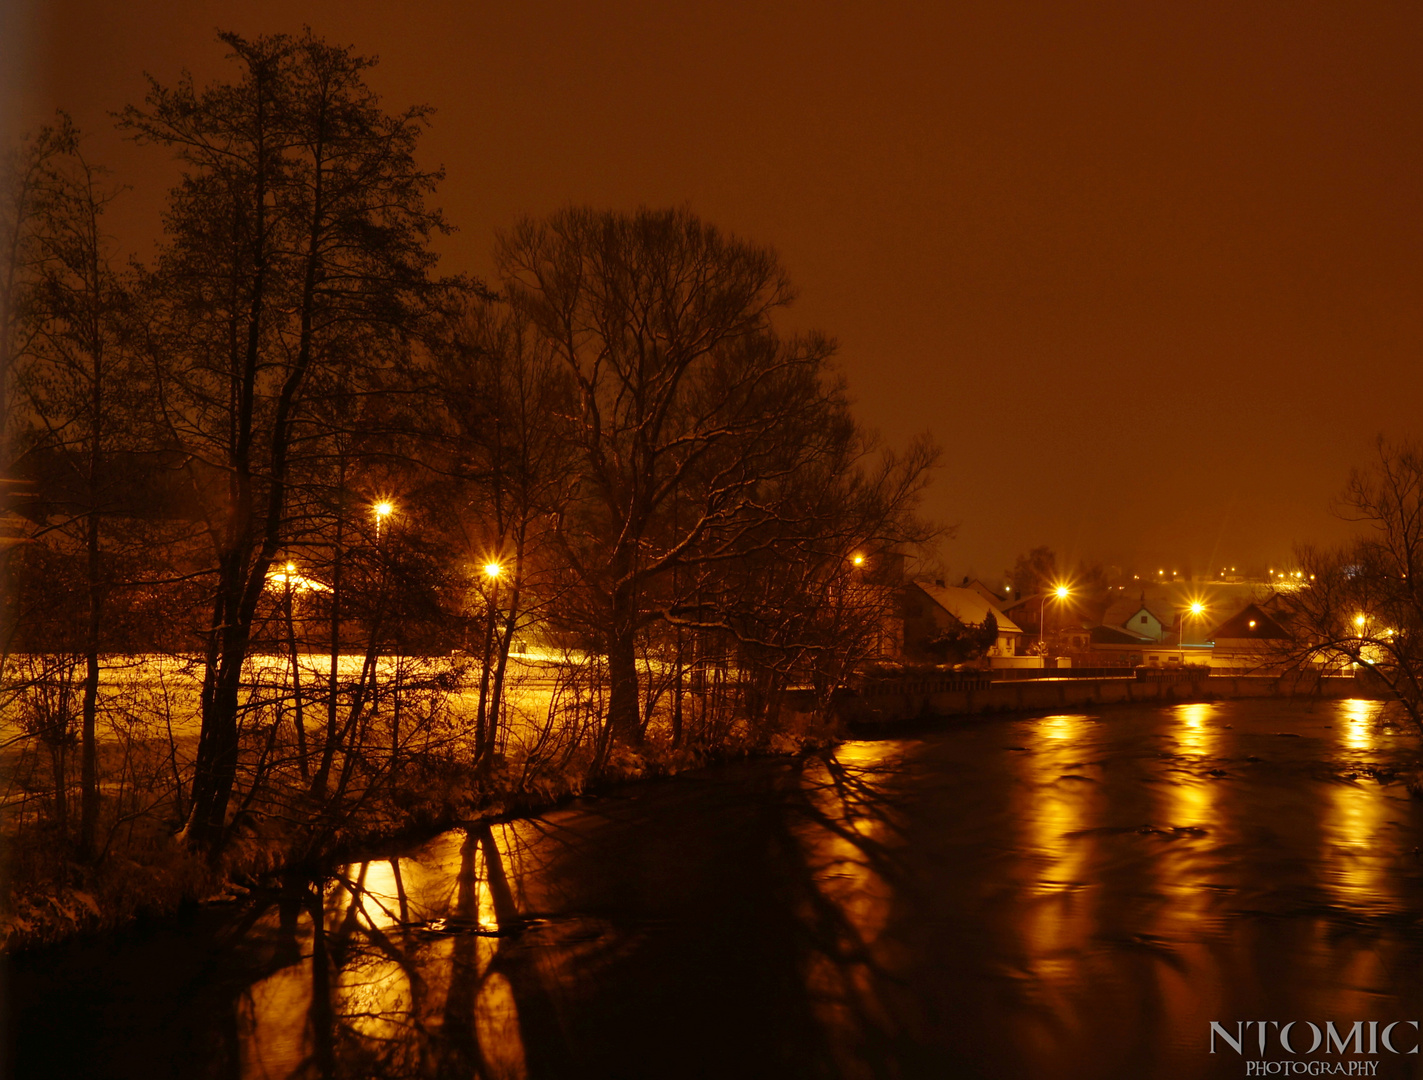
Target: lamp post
(484, 728)
(289, 577)
(1061, 592)
(1195, 609)
(382, 510)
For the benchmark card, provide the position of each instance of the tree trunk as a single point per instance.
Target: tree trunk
(300, 715)
(624, 715)
(61, 803)
(89, 753)
(216, 769)
(318, 783)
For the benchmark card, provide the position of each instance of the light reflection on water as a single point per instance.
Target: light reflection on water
(1357, 853)
(403, 979)
(1357, 850)
(1358, 721)
(1066, 895)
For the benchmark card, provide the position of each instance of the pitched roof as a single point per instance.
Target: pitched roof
(1251, 622)
(967, 606)
(1115, 635)
(988, 594)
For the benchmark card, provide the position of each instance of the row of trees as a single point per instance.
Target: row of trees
(288, 454)
(1363, 605)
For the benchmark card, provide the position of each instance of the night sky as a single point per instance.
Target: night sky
(1150, 273)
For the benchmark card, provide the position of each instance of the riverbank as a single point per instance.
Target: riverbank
(900, 698)
(157, 877)
(1074, 893)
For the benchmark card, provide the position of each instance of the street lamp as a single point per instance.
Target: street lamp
(382, 510)
(493, 570)
(1196, 608)
(486, 727)
(1061, 592)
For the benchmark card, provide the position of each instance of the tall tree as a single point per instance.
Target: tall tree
(296, 241)
(503, 390)
(1363, 603)
(28, 175)
(77, 385)
(692, 414)
(1034, 572)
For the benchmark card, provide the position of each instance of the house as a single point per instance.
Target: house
(1114, 646)
(1251, 638)
(984, 591)
(931, 609)
(1141, 618)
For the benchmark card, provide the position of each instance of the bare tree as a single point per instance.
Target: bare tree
(298, 233)
(76, 392)
(28, 178)
(1363, 604)
(503, 391)
(695, 422)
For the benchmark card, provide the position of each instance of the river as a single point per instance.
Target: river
(1072, 895)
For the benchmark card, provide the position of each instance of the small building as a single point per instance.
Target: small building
(1142, 619)
(984, 591)
(1250, 639)
(932, 609)
(1114, 646)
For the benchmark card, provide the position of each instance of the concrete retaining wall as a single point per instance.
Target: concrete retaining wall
(896, 700)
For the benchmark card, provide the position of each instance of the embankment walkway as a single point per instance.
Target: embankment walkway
(898, 698)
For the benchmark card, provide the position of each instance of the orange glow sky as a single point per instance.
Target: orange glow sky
(1150, 272)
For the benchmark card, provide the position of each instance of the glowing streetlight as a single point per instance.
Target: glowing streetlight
(382, 510)
(1061, 592)
(492, 570)
(857, 559)
(1197, 609)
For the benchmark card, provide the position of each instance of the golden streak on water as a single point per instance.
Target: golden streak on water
(1357, 728)
(845, 994)
(1359, 878)
(375, 937)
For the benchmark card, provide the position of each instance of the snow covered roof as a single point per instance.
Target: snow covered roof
(967, 606)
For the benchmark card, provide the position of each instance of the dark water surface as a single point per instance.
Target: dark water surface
(1075, 895)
